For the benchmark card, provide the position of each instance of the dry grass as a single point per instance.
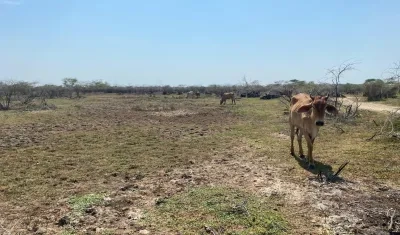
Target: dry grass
(392, 101)
(137, 149)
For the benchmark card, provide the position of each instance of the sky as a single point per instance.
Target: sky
(172, 42)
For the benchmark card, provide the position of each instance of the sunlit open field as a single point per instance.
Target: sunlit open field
(125, 164)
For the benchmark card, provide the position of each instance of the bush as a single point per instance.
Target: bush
(377, 89)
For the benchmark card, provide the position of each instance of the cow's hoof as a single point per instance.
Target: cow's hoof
(302, 156)
(292, 153)
(311, 166)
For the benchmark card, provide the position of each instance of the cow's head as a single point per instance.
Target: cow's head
(318, 105)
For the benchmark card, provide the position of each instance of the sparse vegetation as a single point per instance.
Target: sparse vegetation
(222, 210)
(80, 203)
(139, 148)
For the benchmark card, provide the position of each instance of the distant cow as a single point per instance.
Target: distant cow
(307, 115)
(197, 94)
(190, 94)
(225, 96)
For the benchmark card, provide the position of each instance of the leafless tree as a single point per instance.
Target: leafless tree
(336, 73)
(11, 91)
(7, 91)
(25, 92)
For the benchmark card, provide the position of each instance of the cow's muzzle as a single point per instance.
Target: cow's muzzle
(319, 123)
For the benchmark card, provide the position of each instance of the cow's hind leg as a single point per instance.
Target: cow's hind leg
(291, 139)
(299, 140)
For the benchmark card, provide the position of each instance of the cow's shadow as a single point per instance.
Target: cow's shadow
(319, 166)
(321, 170)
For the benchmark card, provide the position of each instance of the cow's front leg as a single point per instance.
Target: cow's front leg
(291, 140)
(299, 140)
(311, 164)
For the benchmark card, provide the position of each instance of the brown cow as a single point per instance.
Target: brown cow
(307, 115)
(197, 94)
(225, 96)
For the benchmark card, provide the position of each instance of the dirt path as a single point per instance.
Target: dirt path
(371, 106)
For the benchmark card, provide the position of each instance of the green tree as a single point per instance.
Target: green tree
(73, 85)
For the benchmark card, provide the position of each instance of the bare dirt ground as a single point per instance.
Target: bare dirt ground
(371, 106)
(139, 150)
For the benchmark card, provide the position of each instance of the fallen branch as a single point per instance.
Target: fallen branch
(390, 226)
(331, 177)
(340, 169)
(388, 128)
(376, 133)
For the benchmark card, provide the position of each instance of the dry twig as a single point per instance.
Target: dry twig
(285, 100)
(388, 128)
(340, 169)
(390, 226)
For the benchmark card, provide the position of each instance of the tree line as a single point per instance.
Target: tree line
(24, 93)
(20, 93)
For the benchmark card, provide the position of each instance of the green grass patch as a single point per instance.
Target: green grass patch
(80, 203)
(218, 209)
(107, 232)
(68, 232)
(71, 231)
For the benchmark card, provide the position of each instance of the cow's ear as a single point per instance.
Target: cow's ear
(331, 109)
(304, 108)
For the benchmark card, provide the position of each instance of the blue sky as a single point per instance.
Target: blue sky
(195, 42)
